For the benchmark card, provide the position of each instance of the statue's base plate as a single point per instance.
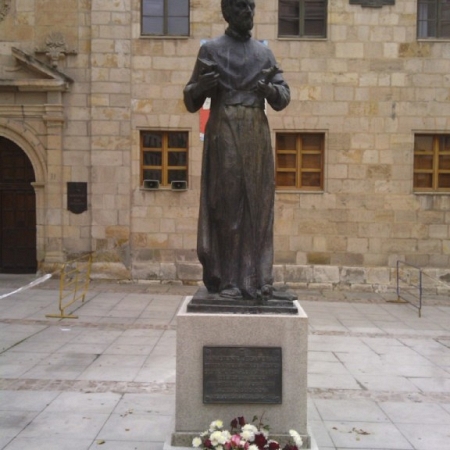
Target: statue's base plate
(206, 302)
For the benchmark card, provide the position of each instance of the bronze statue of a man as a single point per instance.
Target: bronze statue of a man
(235, 230)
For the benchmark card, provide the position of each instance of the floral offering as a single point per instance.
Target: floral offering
(242, 436)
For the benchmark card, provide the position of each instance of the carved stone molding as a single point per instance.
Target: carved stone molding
(4, 8)
(55, 48)
(43, 77)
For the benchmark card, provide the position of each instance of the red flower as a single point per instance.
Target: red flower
(207, 443)
(234, 423)
(260, 440)
(241, 421)
(274, 445)
(290, 447)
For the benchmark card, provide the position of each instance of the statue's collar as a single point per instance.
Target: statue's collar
(236, 35)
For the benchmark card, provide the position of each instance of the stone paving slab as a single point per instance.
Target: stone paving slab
(379, 376)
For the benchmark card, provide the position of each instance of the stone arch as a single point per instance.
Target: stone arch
(21, 135)
(25, 138)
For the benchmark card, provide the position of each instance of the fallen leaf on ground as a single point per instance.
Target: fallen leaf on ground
(360, 431)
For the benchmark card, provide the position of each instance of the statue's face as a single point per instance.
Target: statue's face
(241, 14)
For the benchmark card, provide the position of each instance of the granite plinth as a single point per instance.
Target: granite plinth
(198, 330)
(206, 302)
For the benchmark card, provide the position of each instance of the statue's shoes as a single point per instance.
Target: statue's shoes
(233, 293)
(284, 295)
(267, 290)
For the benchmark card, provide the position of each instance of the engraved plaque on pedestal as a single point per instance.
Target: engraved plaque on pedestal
(242, 375)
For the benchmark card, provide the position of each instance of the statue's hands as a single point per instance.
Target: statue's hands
(206, 82)
(266, 89)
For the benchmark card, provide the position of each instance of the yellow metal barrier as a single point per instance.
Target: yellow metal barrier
(73, 284)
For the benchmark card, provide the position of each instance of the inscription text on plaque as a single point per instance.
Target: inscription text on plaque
(242, 375)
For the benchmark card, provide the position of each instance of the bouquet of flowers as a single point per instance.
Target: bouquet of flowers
(242, 436)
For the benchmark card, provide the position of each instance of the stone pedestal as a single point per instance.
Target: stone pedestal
(195, 331)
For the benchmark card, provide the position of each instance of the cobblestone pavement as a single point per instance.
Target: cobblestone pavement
(378, 375)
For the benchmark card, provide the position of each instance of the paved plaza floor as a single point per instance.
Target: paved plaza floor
(378, 375)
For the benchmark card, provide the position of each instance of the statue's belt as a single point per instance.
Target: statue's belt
(245, 98)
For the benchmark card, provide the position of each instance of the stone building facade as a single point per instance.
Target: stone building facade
(80, 84)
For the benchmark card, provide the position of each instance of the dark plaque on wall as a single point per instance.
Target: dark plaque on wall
(242, 375)
(372, 3)
(77, 197)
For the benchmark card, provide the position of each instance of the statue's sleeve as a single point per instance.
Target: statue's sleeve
(192, 101)
(283, 97)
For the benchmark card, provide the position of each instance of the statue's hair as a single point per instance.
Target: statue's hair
(225, 5)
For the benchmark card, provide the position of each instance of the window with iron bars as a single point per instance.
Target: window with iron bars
(432, 163)
(164, 156)
(300, 161)
(165, 17)
(433, 19)
(302, 18)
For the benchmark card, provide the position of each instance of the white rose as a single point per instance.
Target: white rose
(226, 434)
(296, 437)
(217, 438)
(216, 425)
(196, 442)
(248, 435)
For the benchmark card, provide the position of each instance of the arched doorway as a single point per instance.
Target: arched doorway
(17, 210)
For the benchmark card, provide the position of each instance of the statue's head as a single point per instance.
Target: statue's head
(239, 14)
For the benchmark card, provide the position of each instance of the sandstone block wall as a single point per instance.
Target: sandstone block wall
(369, 86)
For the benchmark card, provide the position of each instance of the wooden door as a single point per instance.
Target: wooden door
(17, 210)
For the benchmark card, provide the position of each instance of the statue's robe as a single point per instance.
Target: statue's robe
(235, 229)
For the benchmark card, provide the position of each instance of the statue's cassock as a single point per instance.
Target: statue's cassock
(235, 231)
